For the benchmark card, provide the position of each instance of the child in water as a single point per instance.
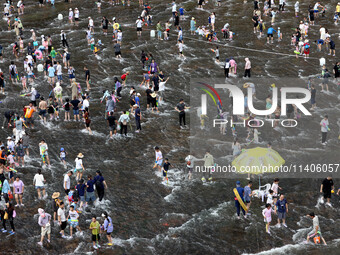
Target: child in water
(166, 167)
(267, 215)
(63, 156)
(24, 82)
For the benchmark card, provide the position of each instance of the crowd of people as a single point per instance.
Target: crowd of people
(67, 98)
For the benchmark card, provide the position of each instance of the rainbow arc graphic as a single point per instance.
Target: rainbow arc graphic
(204, 97)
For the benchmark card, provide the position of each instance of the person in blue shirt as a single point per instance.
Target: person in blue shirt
(81, 192)
(5, 189)
(108, 227)
(137, 99)
(90, 196)
(248, 193)
(240, 191)
(281, 207)
(181, 11)
(270, 32)
(100, 183)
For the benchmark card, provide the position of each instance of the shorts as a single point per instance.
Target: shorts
(112, 128)
(217, 58)
(63, 225)
(190, 169)
(118, 53)
(139, 29)
(247, 202)
(327, 194)
(316, 11)
(281, 215)
(95, 237)
(29, 121)
(269, 35)
(164, 173)
(76, 112)
(76, 19)
(60, 77)
(87, 124)
(332, 47)
(50, 110)
(45, 230)
(42, 112)
(159, 162)
(312, 100)
(148, 100)
(80, 170)
(108, 233)
(39, 187)
(74, 224)
(256, 24)
(71, 76)
(26, 147)
(34, 103)
(312, 234)
(90, 196)
(82, 198)
(320, 41)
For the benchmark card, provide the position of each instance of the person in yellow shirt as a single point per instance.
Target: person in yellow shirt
(337, 13)
(95, 227)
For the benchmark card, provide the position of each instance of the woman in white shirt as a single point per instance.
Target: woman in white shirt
(76, 15)
(79, 166)
(39, 183)
(70, 16)
(212, 21)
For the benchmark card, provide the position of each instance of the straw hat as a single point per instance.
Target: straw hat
(246, 85)
(80, 155)
(55, 195)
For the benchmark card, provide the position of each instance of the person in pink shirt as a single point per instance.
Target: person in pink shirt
(233, 66)
(18, 191)
(267, 214)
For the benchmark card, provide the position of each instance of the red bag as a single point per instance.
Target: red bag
(10, 195)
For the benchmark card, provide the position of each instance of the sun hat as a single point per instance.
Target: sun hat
(80, 155)
(55, 195)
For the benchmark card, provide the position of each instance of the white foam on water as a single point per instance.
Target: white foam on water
(94, 133)
(169, 198)
(320, 202)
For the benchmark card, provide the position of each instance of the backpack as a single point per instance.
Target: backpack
(75, 193)
(57, 201)
(98, 183)
(37, 96)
